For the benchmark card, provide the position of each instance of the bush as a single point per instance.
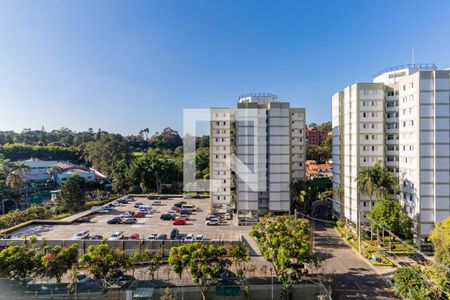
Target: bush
(16, 217)
(340, 223)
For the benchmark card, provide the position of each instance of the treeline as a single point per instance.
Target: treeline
(167, 139)
(16, 152)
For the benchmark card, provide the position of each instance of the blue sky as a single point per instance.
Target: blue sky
(127, 65)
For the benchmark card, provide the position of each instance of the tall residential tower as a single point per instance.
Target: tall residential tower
(256, 151)
(402, 119)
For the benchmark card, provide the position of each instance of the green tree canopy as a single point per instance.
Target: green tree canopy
(59, 260)
(440, 237)
(284, 242)
(98, 260)
(204, 263)
(409, 284)
(71, 197)
(389, 214)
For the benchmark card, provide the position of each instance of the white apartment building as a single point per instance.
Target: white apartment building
(402, 118)
(38, 169)
(256, 151)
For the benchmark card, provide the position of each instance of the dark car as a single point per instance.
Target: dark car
(163, 197)
(122, 201)
(86, 219)
(174, 234)
(162, 237)
(137, 204)
(96, 237)
(167, 217)
(185, 212)
(151, 197)
(115, 220)
(180, 204)
(125, 280)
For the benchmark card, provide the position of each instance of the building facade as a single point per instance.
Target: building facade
(402, 119)
(314, 136)
(256, 151)
(38, 169)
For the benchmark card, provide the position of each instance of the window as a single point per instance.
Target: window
(364, 115)
(373, 115)
(367, 137)
(411, 85)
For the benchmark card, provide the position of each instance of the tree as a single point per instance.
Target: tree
(98, 260)
(59, 260)
(204, 263)
(440, 237)
(18, 262)
(388, 214)
(105, 152)
(71, 197)
(239, 256)
(154, 261)
(325, 128)
(409, 284)
(284, 242)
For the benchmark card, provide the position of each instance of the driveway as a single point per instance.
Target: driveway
(351, 276)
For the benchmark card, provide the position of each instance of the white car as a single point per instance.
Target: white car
(189, 207)
(189, 237)
(127, 214)
(199, 237)
(81, 235)
(115, 236)
(152, 237)
(212, 222)
(228, 216)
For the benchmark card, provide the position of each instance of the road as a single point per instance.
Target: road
(352, 277)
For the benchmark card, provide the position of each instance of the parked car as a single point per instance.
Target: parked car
(189, 237)
(212, 222)
(199, 237)
(129, 221)
(228, 216)
(156, 203)
(86, 219)
(137, 204)
(180, 204)
(212, 216)
(185, 211)
(152, 237)
(134, 236)
(96, 237)
(115, 220)
(104, 210)
(162, 237)
(123, 201)
(115, 236)
(127, 214)
(183, 216)
(81, 235)
(179, 222)
(151, 197)
(189, 206)
(140, 214)
(174, 233)
(167, 216)
(188, 197)
(162, 197)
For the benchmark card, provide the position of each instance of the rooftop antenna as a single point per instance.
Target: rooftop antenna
(413, 58)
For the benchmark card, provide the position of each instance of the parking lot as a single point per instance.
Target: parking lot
(151, 224)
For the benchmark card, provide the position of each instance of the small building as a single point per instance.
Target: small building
(85, 173)
(38, 169)
(315, 170)
(314, 136)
